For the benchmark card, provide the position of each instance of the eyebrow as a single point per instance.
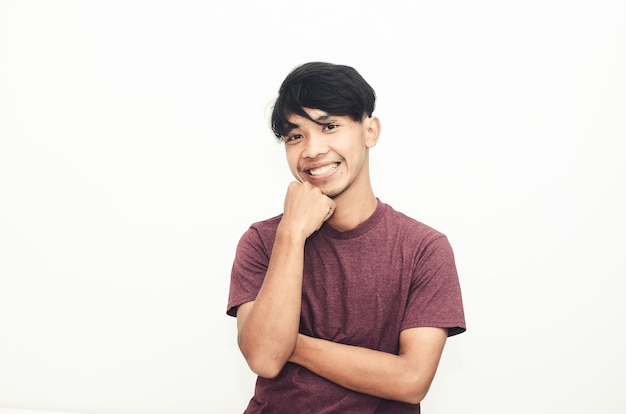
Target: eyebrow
(323, 118)
(320, 120)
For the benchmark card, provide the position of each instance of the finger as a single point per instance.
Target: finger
(331, 211)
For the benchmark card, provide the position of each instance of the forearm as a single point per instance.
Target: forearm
(268, 332)
(268, 326)
(381, 374)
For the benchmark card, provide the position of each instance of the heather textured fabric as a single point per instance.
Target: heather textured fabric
(360, 287)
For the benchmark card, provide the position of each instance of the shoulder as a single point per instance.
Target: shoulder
(267, 226)
(409, 227)
(260, 234)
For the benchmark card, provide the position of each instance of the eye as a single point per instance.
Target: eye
(330, 127)
(292, 138)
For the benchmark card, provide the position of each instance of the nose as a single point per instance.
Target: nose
(315, 144)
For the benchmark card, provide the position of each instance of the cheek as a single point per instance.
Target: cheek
(359, 157)
(292, 161)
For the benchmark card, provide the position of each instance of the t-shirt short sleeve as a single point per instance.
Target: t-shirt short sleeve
(435, 295)
(248, 271)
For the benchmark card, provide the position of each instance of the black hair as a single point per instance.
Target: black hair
(335, 89)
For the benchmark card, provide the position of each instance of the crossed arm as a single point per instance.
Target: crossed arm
(404, 377)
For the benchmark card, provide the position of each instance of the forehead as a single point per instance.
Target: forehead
(312, 113)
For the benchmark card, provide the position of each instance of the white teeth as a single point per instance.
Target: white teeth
(323, 170)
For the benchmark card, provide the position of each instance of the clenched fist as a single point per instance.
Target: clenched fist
(306, 209)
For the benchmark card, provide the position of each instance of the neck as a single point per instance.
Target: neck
(352, 211)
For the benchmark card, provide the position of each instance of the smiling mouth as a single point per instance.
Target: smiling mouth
(323, 169)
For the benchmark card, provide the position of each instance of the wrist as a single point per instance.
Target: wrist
(290, 234)
(296, 355)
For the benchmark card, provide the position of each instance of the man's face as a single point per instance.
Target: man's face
(331, 153)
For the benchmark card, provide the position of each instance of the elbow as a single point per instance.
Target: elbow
(267, 373)
(414, 391)
(414, 397)
(265, 367)
(263, 364)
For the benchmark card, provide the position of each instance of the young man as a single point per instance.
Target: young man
(343, 304)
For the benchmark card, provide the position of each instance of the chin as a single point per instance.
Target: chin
(330, 190)
(333, 193)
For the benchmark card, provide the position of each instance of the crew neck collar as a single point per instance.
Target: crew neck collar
(362, 228)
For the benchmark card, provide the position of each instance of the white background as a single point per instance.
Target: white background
(135, 150)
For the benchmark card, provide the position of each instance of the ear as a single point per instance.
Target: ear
(373, 131)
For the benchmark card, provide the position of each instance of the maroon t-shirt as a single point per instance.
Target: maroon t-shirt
(360, 287)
